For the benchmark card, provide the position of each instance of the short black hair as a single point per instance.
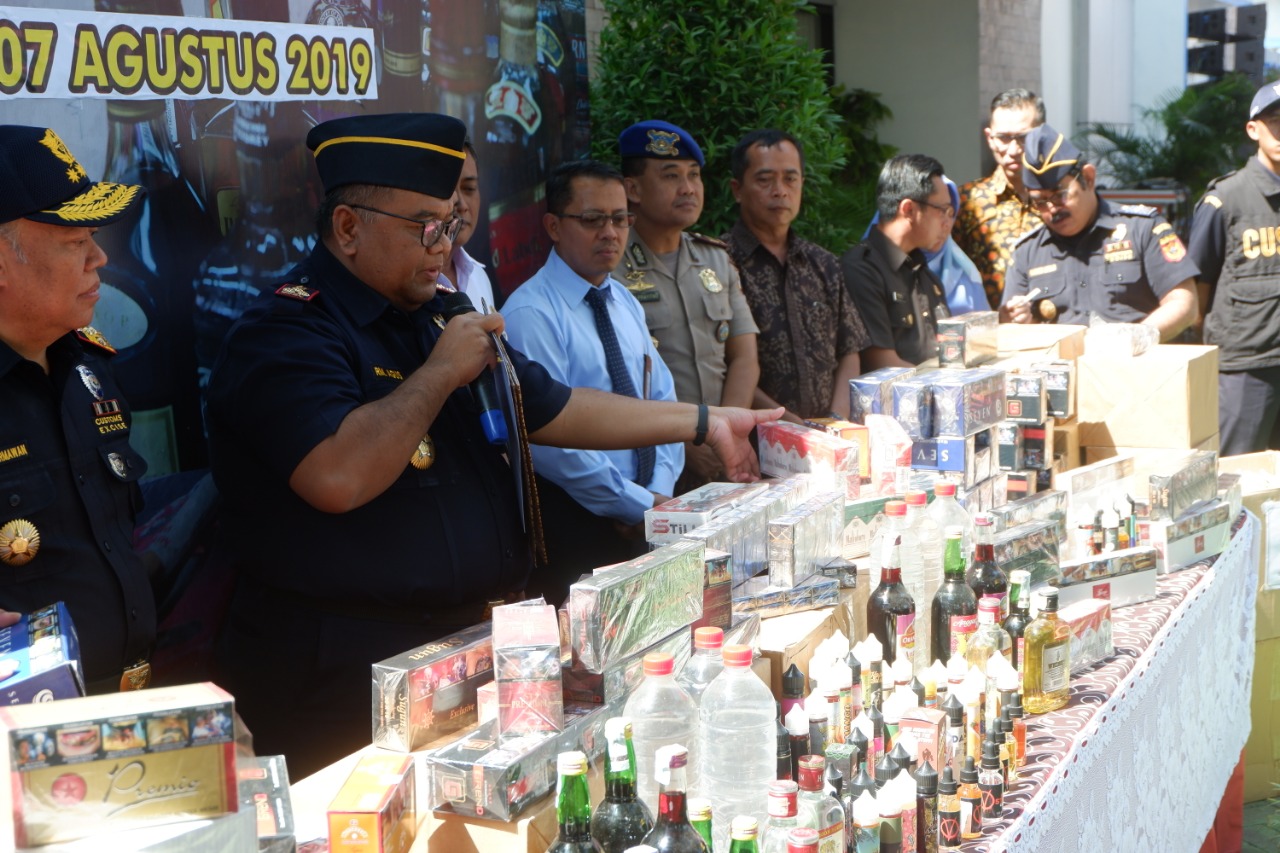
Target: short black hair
(765, 138)
(1014, 99)
(348, 194)
(905, 176)
(560, 183)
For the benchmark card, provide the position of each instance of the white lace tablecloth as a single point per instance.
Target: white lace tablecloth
(1139, 759)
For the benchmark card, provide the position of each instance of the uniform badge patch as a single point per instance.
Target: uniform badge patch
(663, 143)
(710, 281)
(1118, 233)
(722, 331)
(1044, 270)
(642, 290)
(90, 335)
(1171, 248)
(90, 381)
(119, 466)
(298, 292)
(19, 542)
(424, 455)
(638, 256)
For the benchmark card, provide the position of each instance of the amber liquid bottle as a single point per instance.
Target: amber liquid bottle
(955, 609)
(891, 612)
(984, 576)
(621, 821)
(1046, 675)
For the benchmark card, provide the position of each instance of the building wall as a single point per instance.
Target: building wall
(1009, 57)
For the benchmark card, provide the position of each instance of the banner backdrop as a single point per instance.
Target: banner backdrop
(207, 104)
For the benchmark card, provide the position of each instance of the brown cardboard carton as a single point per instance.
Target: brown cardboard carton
(1260, 483)
(1262, 750)
(1166, 397)
(1066, 443)
(1052, 341)
(793, 638)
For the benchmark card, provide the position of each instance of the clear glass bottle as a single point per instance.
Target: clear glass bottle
(782, 816)
(573, 806)
(1019, 613)
(955, 608)
(661, 714)
(929, 534)
(621, 820)
(672, 833)
(990, 637)
(891, 612)
(705, 664)
(983, 575)
(737, 740)
(818, 810)
(1046, 675)
(742, 835)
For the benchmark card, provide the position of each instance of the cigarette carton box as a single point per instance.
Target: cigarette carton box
(43, 646)
(1090, 622)
(971, 457)
(1026, 398)
(1060, 382)
(613, 686)
(1010, 446)
(967, 340)
(1200, 533)
(81, 767)
(264, 790)
(526, 655)
(1037, 445)
(1192, 481)
(804, 538)
(849, 431)
(375, 811)
(717, 590)
(668, 521)
(1122, 577)
(872, 393)
(787, 448)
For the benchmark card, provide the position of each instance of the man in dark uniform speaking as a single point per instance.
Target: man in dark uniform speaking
(367, 512)
(67, 473)
(1123, 264)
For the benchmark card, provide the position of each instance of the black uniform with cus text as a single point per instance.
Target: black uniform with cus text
(320, 597)
(1118, 268)
(68, 499)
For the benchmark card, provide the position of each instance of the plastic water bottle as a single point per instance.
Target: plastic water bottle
(946, 511)
(705, 664)
(736, 740)
(909, 552)
(930, 536)
(662, 714)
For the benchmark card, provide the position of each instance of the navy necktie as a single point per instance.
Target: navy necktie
(618, 376)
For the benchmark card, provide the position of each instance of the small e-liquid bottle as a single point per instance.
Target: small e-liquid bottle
(991, 782)
(927, 808)
(948, 811)
(970, 801)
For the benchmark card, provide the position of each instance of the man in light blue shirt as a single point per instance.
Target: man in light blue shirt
(587, 330)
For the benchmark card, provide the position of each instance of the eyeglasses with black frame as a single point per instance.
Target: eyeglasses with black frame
(945, 208)
(595, 220)
(1057, 198)
(433, 230)
(1009, 138)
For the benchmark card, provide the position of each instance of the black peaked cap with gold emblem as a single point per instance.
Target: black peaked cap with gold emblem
(419, 152)
(1047, 158)
(660, 140)
(41, 180)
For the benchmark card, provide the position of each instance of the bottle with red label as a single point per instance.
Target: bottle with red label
(955, 608)
(890, 611)
(515, 157)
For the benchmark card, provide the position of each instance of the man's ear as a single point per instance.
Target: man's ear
(551, 223)
(736, 189)
(1090, 174)
(632, 186)
(346, 230)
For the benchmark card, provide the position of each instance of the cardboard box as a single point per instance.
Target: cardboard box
(1260, 482)
(1121, 590)
(972, 457)
(1166, 397)
(374, 812)
(793, 638)
(1040, 339)
(1262, 750)
(922, 732)
(264, 791)
(44, 645)
(1066, 443)
(1148, 457)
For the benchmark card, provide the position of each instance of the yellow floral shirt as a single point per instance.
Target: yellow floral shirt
(991, 219)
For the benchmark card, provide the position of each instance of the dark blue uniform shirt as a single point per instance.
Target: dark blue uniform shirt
(66, 467)
(290, 371)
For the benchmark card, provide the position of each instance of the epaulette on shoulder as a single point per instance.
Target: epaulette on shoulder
(710, 241)
(290, 290)
(1211, 200)
(1028, 235)
(94, 338)
(1212, 185)
(1138, 210)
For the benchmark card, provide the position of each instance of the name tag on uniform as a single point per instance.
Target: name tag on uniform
(1121, 250)
(1044, 270)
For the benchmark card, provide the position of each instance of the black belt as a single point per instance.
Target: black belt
(467, 613)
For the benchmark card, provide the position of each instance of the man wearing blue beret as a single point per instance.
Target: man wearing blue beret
(366, 509)
(1088, 259)
(686, 283)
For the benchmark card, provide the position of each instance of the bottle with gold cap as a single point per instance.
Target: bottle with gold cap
(620, 820)
(742, 835)
(700, 818)
(573, 806)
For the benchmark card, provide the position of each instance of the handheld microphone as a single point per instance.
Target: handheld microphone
(482, 387)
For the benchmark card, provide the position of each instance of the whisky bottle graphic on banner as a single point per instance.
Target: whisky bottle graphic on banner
(574, 13)
(144, 310)
(558, 80)
(274, 230)
(343, 13)
(404, 42)
(515, 163)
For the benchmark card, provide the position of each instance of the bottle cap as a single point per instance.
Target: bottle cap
(802, 840)
(1022, 577)
(708, 638)
(659, 663)
(671, 757)
(895, 508)
(782, 799)
(1049, 600)
(947, 784)
(699, 808)
(571, 764)
(1006, 720)
(1015, 707)
(617, 728)
(915, 497)
(926, 779)
(989, 604)
(953, 708)
(900, 756)
(811, 772)
(793, 682)
(886, 768)
(737, 656)
(855, 665)
(944, 488)
(982, 519)
(969, 773)
(743, 828)
(990, 755)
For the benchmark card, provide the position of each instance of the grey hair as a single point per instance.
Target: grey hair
(9, 231)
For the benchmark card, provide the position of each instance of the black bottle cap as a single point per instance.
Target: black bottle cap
(834, 778)
(862, 782)
(1006, 719)
(859, 742)
(947, 784)
(954, 709)
(793, 683)
(990, 755)
(855, 665)
(886, 769)
(926, 779)
(876, 718)
(969, 773)
(900, 755)
(917, 687)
